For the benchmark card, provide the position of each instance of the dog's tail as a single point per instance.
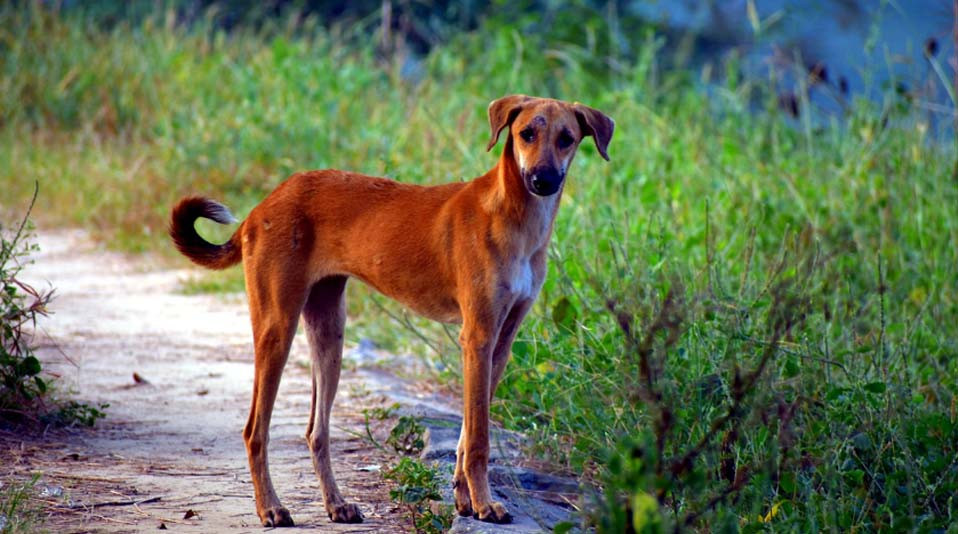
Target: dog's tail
(194, 247)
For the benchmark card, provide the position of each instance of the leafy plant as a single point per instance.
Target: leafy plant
(418, 490)
(21, 387)
(416, 484)
(657, 478)
(407, 436)
(24, 392)
(68, 412)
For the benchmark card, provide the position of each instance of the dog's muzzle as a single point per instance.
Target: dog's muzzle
(543, 181)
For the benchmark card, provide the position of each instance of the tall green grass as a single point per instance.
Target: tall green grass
(845, 228)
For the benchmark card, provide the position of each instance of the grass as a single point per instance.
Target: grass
(845, 228)
(17, 513)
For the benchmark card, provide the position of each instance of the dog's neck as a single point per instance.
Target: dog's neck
(507, 195)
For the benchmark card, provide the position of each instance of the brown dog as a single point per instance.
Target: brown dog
(472, 253)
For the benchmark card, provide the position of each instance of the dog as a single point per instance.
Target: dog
(469, 252)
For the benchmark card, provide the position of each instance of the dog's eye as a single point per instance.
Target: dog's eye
(528, 135)
(565, 140)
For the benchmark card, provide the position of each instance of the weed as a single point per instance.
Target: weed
(24, 392)
(17, 513)
(407, 436)
(652, 471)
(417, 485)
(381, 413)
(21, 386)
(418, 490)
(72, 412)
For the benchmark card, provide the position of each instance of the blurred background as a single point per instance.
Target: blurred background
(852, 46)
(193, 76)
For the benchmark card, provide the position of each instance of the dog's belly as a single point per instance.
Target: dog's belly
(440, 311)
(419, 294)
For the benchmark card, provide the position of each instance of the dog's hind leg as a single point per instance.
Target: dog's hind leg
(274, 310)
(325, 317)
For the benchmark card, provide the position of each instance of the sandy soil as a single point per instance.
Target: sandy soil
(170, 452)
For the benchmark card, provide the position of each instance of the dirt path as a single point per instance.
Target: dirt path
(174, 444)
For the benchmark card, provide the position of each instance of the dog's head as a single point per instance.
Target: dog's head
(545, 134)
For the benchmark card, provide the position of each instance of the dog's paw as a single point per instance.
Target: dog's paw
(463, 501)
(345, 513)
(276, 516)
(463, 508)
(493, 512)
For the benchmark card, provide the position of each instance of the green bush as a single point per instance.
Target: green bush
(407, 436)
(418, 491)
(22, 389)
(25, 395)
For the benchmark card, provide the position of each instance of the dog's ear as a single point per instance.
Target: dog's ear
(501, 114)
(597, 124)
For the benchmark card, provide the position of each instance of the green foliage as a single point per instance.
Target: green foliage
(25, 394)
(231, 281)
(381, 413)
(407, 436)
(846, 422)
(69, 412)
(17, 513)
(847, 222)
(416, 484)
(418, 490)
(22, 389)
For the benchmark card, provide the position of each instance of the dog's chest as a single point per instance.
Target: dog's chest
(520, 280)
(523, 282)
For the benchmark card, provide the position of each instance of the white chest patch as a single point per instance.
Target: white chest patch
(522, 282)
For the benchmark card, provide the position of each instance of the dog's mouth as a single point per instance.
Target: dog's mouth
(543, 182)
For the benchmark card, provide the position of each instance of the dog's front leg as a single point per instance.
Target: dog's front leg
(478, 340)
(500, 356)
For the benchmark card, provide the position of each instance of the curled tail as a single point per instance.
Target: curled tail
(194, 247)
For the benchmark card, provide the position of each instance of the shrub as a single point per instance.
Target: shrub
(418, 491)
(25, 395)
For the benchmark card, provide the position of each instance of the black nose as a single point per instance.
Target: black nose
(544, 181)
